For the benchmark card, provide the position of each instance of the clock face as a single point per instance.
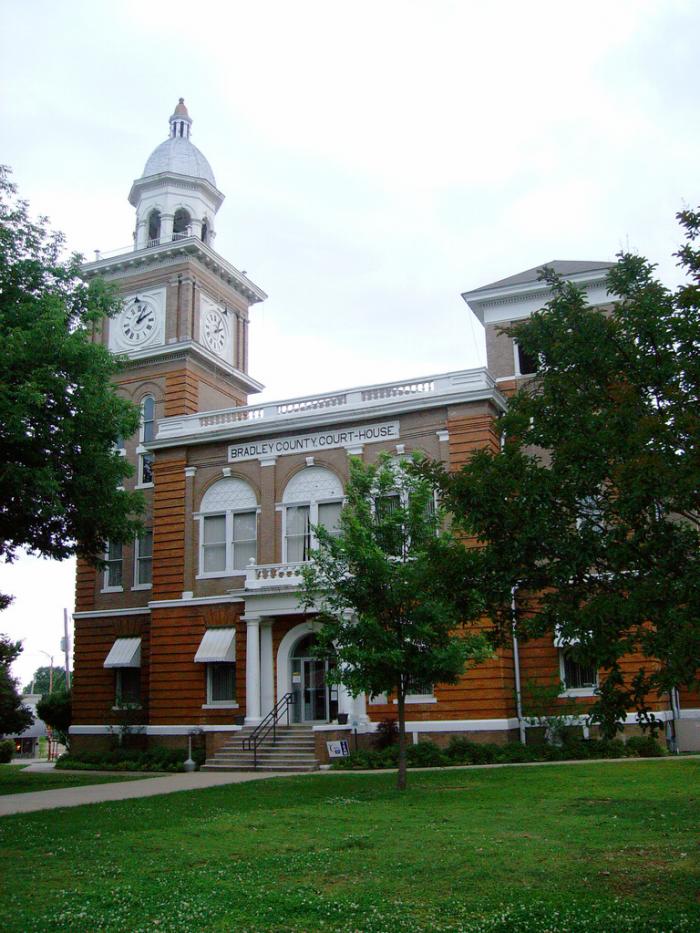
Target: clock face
(138, 322)
(215, 331)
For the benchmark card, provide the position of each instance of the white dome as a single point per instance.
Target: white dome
(179, 155)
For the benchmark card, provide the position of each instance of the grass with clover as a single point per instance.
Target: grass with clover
(565, 849)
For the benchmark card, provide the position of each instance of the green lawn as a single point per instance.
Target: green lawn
(15, 780)
(604, 847)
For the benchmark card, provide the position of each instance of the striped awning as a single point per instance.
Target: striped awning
(125, 652)
(217, 645)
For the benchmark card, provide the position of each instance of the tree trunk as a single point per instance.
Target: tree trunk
(401, 777)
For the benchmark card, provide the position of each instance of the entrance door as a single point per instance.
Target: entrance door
(312, 700)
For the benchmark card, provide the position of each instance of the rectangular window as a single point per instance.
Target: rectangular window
(245, 539)
(143, 563)
(329, 516)
(221, 683)
(390, 534)
(214, 544)
(417, 688)
(127, 686)
(146, 469)
(527, 365)
(577, 676)
(115, 563)
(298, 533)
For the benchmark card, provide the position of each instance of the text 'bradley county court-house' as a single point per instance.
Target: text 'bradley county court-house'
(197, 626)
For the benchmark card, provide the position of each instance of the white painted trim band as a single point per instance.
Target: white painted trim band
(106, 613)
(151, 730)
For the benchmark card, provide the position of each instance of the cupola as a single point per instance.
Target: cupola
(176, 196)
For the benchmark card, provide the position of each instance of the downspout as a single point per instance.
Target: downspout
(675, 715)
(516, 671)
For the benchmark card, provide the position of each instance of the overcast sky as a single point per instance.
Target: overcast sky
(378, 158)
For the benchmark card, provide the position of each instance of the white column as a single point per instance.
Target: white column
(345, 703)
(252, 672)
(361, 710)
(267, 689)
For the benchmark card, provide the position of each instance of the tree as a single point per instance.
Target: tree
(56, 710)
(60, 418)
(592, 505)
(14, 717)
(41, 680)
(390, 624)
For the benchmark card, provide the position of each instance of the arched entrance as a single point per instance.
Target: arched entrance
(314, 700)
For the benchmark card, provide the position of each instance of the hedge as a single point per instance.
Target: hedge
(461, 751)
(129, 759)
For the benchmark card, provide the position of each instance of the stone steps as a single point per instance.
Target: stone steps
(293, 750)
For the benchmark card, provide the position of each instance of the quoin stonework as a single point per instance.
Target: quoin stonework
(196, 627)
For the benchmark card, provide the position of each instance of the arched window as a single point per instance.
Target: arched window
(181, 222)
(312, 497)
(153, 228)
(147, 434)
(228, 535)
(205, 231)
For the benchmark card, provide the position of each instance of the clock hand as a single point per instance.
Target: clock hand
(141, 316)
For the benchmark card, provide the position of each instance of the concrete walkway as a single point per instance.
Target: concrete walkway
(124, 790)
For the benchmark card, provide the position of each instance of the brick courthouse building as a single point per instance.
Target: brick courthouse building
(197, 626)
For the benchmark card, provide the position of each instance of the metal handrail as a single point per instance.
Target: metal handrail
(268, 724)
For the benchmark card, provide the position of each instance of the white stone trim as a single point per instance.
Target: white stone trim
(194, 601)
(153, 730)
(689, 714)
(357, 404)
(106, 613)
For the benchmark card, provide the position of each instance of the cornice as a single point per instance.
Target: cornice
(180, 351)
(168, 254)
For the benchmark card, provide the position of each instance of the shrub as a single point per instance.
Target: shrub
(426, 755)
(515, 753)
(7, 750)
(129, 759)
(387, 734)
(644, 746)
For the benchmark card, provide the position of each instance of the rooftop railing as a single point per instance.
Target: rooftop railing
(361, 398)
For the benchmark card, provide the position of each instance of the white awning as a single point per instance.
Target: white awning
(218, 644)
(125, 652)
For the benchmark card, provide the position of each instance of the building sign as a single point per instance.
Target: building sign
(307, 443)
(339, 749)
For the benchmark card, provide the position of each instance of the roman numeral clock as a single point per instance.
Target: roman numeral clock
(216, 328)
(141, 323)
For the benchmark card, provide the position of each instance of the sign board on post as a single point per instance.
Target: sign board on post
(339, 749)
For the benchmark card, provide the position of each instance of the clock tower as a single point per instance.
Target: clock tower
(184, 323)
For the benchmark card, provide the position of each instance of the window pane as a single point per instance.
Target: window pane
(242, 552)
(146, 468)
(222, 683)
(144, 561)
(114, 563)
(298, 533)
(385, 505)
(215, 529)
(148, 419)
(578, 676)
(244, 526)
(329, 516)
(526, 363)
(297, 519)
(214, 557)
(128, 685)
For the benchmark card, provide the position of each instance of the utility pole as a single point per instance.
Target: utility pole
(65, 645)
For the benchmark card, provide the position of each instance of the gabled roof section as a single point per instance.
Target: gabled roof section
(565, 267)
(519, 295)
